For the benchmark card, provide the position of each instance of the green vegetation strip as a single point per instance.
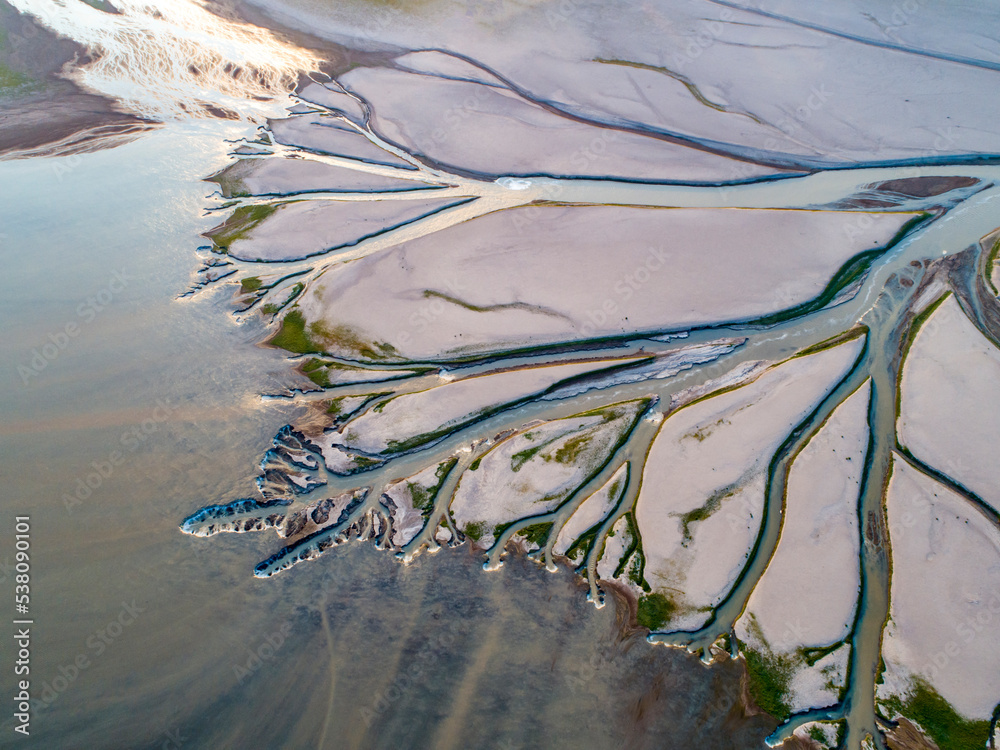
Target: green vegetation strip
(848, 273)
(474, 530)
(705, 511)
(918, 322)
(316, 371)
(239, 225)
(423, 497)
(949, 729)
(688, 84)
(655, 611)
(537, 533)
(250, 284)
(292, 335)
(770, 676)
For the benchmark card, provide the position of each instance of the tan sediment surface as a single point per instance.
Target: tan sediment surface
(907, 736)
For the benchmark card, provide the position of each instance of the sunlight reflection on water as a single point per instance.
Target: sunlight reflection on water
(169, 60)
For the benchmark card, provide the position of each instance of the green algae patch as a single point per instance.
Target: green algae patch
(655, 611)
(939, 719)
(345, 338)
(423, 497)
(239, 225)
(537, 533)
(704, 432)
(847, 274)
(250, 284)
(688, 84)
(574, 446)
(316, 371)
(474, 530)
(705, 511)
(292, 336)
(295, 335)
(841, 338)
(564, 455)
(520, 458)
(583, 543)
(632, 562)
(770, 676)
(637, 570)
(812, 655)
(230, 179)
(569, 452)
(10, 78)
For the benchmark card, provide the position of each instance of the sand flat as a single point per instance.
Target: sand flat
(950, 404)
(713, 456)
(540, 275)
(945, 595)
